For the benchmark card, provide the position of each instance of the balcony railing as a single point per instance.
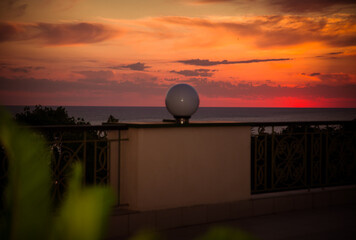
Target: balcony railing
(86, 144)
(302, 155)
(284, 155)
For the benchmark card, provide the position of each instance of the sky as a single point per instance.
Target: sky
(235, 53)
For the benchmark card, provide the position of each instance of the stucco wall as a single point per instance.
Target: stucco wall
(176, 167)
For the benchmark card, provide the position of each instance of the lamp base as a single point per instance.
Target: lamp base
(182, 120)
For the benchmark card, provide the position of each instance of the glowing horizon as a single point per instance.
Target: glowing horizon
(263, 53)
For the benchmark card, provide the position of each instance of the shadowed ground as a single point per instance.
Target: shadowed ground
(334, 222)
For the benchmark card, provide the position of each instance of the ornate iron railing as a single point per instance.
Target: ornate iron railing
(86, 144)
(302, 155)
(284, 155)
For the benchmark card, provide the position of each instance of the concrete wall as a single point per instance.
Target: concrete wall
(113, 137)
(171, 167)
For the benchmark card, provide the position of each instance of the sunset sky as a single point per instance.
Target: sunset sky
(236, 53)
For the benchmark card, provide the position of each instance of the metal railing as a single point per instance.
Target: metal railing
(284, 155)
(81, 143)
(302, 155)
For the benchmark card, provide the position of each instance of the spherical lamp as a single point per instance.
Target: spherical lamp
(182, 101)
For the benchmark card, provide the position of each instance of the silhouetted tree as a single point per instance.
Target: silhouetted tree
(112, 119)
(47, 116)
(66, 143)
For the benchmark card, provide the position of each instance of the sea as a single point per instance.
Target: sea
(97, 115)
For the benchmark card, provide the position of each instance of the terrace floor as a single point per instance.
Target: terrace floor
(333, 222)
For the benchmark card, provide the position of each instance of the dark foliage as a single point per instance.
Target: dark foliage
(68, 145)
(112, 119)
(47, 116)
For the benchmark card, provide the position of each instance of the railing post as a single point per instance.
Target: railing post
(84, 156)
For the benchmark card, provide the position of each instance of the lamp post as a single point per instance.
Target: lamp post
(182, 101)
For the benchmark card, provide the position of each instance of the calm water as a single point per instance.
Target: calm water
(97, 115)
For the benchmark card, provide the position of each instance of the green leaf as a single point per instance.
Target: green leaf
(27, 195)
(84, 213)
(28, 213)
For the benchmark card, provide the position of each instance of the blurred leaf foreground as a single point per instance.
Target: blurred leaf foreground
(28, 212)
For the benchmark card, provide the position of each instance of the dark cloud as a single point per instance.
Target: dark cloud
(195, 73)
(202, 62)
(265, 91)
(135, 66)
(337, 78)
(12, 32)
(36, 85)
(150, 87)
(276, 31)
(172, 79)
(330, 55)
(334, 53)
(25, 69)
(206, 62)
(57, 34)
(311, 74)
(331, 78)
(213, 1)
(305, 6)
(96, 82)
(314, 74)
(22, 69)
(346, 41)
(291, 6)
(13, 8)
(95, 75)
(74, 33)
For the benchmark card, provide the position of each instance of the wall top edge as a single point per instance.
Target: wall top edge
(190, 124)
(173, 124)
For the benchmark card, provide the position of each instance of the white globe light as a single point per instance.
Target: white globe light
(182, 101)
